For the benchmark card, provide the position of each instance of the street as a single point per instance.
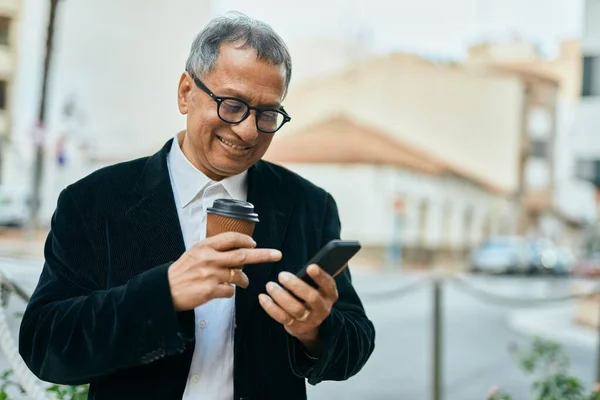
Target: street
(476, 338)
(476, 343)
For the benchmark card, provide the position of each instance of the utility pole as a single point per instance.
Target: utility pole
(39, 139)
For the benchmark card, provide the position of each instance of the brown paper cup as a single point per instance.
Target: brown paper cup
(216, 224)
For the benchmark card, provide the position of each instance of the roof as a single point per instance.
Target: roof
(342, 140)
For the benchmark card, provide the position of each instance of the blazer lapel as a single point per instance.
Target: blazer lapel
(155, 222)
(266, 194)
(154, 217)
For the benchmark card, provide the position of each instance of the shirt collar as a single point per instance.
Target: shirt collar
(190, 181)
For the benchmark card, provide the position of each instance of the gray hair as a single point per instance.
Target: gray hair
(234, 27)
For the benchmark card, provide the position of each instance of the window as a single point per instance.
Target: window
(591, 76)
(447, 225)
(4, 31)
(539, 148)
(3, 95)
(589, 170)
(468, 227)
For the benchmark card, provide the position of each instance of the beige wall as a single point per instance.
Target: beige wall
(470, 121)
(10, 6)
(365, 196)
(8, 61)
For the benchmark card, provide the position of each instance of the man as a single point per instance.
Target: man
(136, 301)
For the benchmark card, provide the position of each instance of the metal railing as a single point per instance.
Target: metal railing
(33, 387)
(436, 280)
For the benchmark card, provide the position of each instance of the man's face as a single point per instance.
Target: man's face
(217, 148)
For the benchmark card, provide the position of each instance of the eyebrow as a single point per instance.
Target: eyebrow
(228, 92)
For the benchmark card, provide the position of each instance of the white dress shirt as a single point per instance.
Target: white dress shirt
(211, 372)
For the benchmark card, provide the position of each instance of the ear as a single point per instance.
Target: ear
(183, 93)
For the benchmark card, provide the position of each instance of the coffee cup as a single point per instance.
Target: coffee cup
(229, 215)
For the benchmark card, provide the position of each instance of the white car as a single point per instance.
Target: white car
(501, 255)
(14, 206)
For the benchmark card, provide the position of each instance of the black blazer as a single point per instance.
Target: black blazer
(102, 311)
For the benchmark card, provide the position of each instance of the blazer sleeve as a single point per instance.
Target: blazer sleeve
(347, 335)
(75, 330)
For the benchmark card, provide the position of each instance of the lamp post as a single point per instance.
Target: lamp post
(38, 166)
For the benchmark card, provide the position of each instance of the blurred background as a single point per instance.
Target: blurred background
(460, 136)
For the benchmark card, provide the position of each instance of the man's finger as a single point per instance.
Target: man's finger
(274, 311)
(325, 281)
(240, 257)
(302, 290)
(228, 241)
(223, 291)
(286, 301)
(233, 275)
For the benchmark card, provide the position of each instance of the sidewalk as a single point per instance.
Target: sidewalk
(21, 244)
(556, 323)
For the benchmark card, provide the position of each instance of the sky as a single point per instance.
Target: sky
(442, 28)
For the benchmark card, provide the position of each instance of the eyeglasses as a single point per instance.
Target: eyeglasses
(233, 111)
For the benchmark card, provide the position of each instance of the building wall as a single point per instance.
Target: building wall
(8, 64)
(121, 76)
(587, 128)
(591, 30)
(454, 115)
(586, 132)
(434, 215)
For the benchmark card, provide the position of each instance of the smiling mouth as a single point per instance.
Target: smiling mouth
(232, 145)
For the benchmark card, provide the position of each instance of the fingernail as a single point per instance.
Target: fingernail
(314, 269)
(271, 286)
(262, 298)
(276, 254)
(285, 276)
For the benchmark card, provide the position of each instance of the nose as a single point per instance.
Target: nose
(246, 129)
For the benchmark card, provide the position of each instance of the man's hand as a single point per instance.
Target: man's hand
(301, 320)
(208, 269)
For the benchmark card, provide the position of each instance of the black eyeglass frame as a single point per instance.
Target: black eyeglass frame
(259, 110)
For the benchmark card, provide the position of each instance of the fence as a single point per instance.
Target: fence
(30, 383)
(435, 280)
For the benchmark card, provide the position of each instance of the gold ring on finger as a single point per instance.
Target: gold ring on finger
(304, 316)
(231, 275)
(290, 322)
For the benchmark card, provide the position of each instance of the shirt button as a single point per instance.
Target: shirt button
(195, 379)
(202, 324)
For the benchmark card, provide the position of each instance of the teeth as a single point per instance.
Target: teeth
(235, 146)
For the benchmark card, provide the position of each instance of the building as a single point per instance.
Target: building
(397, 199)
(421, 157)
(113, 79)
(10, 11)
(555, 202)
(112, 87)
(587, 120)
(587, 132)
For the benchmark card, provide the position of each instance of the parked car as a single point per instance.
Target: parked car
(14, 206)
(501, 255)
(548, 258)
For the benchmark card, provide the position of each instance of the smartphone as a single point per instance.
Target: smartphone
(332, 258)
